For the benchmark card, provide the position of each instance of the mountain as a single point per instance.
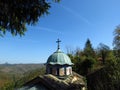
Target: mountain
(9, 72)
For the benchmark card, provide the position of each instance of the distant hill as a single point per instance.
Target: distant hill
(8, 72)
(18, 68)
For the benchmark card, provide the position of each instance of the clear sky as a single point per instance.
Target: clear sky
(73, 21)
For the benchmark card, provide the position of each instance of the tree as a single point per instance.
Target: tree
(103, 51)
(106, 78)
(116, 42)
(15, 14)
(87, 65)
(89, 60)
(88, 50)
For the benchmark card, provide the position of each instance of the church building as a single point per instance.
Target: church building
(59, 64)
(59, 75)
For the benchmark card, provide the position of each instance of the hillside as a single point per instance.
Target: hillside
(18, 68)
(10, 72)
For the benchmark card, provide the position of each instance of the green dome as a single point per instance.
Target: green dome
(60, 58)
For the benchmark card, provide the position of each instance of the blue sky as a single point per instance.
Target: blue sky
(73, 21)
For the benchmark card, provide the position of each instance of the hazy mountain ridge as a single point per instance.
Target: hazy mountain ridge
(18, 68)
(9, 72)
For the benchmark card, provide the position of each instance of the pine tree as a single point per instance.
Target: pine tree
(88, 50)
(89, 61)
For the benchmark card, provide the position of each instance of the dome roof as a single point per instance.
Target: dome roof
(60, 58)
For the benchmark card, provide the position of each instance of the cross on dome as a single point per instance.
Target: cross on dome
(58, 41)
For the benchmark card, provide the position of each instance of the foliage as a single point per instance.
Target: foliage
(103, 52)
(84, 60)
(101, 67)
(107, 78)
(88, 50)
(18, 82)
(103, 75)
(116, 42)
(15, 14)
(99, 76)
(14, 75)
(87, 65)
(89, 61)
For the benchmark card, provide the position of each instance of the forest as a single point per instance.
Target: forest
(15, 75)
(101, 65)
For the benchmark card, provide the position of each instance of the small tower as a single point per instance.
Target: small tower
(59, 64)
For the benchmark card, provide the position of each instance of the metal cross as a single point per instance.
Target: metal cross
(58, 41)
